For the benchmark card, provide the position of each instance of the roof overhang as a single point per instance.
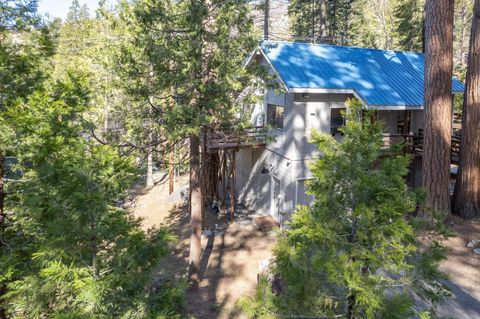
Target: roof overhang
(353, 92)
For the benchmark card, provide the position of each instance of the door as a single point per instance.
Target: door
(275, 200)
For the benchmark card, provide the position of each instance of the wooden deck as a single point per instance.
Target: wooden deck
(413, 144)
(250, 137)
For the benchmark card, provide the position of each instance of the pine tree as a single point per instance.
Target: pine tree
(197, 49)
(331, 21)
(83, 256)
(438, 105)
(24, 46)
(353, 252)
(409, 29)
(466, 199)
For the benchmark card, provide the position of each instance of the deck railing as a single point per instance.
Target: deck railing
(413, 144)
(252, 136)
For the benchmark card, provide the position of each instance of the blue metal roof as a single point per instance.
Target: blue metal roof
(379, 77)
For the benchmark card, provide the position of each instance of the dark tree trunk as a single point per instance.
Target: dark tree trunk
(3, 314)
(195, 210)
(323, 21)
(466, 200)
(266, 12)
(423, 27)
(334, 21)
(438, 105)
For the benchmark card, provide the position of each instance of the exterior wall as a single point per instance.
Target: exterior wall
(285, 158)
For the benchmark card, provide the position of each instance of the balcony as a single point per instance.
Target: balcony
(223, 139)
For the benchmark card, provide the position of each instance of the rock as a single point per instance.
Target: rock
(265, 266)
(476, 251)
(265, 270)
(473, 243)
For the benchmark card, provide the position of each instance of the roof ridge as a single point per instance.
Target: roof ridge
(339, 46)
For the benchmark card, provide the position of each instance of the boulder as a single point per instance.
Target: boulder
(473, 243)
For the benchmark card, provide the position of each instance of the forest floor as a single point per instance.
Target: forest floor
(462, 267)
(230, 257)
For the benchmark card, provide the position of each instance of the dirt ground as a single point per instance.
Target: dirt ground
(463, 269)
(230, 257)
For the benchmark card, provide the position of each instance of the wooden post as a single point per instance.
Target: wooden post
(232, 189)
(204, 172)
(234, 161)
(150, 182)
(406, 122)
(224, 178)
(171, 168)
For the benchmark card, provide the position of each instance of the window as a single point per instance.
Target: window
(275, 116)
(336, 120)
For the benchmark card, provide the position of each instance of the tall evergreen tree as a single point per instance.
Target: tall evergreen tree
(24, 46)
(324, 20)
(196, 48)
(409, 25)
(83, 256)
(438, 105)
(463, 23)
(353, 252)
(466, 200)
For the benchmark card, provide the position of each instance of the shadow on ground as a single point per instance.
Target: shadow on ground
(229, 264)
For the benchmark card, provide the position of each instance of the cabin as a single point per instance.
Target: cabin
(315, 81)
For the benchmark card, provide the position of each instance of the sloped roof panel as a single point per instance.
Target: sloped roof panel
(379, 77)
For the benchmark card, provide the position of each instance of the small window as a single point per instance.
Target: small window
(275, 116)
(336, 120)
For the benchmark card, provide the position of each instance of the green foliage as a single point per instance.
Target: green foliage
(84, 256)
(258, 306)
(172, 64)
(306, 17)
(409, 25)
(354, 249)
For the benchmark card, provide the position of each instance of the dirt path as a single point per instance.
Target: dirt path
(230, 258)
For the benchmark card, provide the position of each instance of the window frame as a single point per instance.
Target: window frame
(274, 123)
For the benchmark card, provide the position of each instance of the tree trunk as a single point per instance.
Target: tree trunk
(2, 192)
(466, 200)
(266, 18)
(3, 288)
(333, 31)
(195, 210)
(438, 105)
(171, 170)
(323, 21)
(150, 168)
